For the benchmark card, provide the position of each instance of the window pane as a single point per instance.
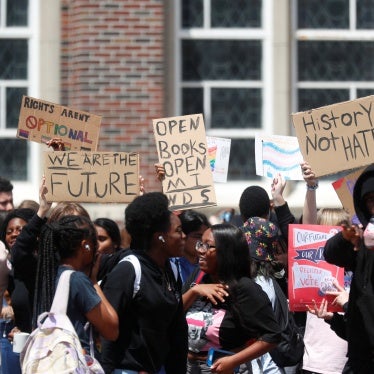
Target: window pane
(365, 92)
(221, 60)
(192, 13)
(331, 61)
(326, 14)
(242, 160)
(16, 13)
(236, 108)
(238, 13)
(192, 101)
(13, 58)
(13, 105)
(311, 98)
(365, 14)
(13, 158)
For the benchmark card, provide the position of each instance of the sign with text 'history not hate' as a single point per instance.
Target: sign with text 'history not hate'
(337, 137)
(41, 121)
(183, 151)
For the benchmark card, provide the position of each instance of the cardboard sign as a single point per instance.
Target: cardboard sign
(278, 154)
(92, 177)
(219, 157)
(337, 137)
(40, 121)
(309, 275)
(182, 150)
(344, 189)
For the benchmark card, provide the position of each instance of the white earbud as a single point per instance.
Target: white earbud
(87, 247)
(161, 239)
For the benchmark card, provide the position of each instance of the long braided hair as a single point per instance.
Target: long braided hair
(58, 241)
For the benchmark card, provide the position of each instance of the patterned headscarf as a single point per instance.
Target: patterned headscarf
(262, 238)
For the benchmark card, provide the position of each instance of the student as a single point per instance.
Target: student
(71, 243)
(108, 235)
(194, 224)
(153, 330)
(227, 309)
(263, 239)
(6, 195)
(351, 249)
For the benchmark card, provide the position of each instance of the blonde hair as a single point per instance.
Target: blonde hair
(332, 216)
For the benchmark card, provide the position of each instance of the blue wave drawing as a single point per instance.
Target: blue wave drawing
(279, 149)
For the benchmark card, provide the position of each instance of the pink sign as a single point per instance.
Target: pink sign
(309, 275)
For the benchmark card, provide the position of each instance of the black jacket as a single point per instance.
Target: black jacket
(360, 313)
(153, 328)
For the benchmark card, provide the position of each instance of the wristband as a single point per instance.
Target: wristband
(312, 188)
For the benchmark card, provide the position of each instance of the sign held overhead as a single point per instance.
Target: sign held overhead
(91, 177)
(41, 121)
(337, 137)
(182, 150)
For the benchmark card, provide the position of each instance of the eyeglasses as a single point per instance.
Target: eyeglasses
(203, 247)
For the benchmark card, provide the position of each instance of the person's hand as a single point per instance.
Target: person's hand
(353, 234)
(223, 365)
(277, 188)
(14, 330)
(213, 292)
(342, 296)
(308, 174)
(95, 267)
(44, 205)
(56, 144)
(321, 311)
(160, 172)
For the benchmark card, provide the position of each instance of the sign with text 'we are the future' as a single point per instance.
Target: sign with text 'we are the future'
(337, 137)
(183, 151)
(41, 121)
(91, 177)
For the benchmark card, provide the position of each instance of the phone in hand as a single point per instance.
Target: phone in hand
(215, 353)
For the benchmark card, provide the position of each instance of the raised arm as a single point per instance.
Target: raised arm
(310, 203)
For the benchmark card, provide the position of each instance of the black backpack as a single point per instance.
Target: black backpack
(290, 350)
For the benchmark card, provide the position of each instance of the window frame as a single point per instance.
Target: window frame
(350, 34)
(264, 34)
(32, 34)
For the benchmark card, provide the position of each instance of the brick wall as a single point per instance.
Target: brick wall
(112, 64)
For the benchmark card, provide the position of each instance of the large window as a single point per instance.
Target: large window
(14, 82)
(221, 44)
(334, 51)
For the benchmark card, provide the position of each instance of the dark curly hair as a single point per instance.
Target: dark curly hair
(146, 215)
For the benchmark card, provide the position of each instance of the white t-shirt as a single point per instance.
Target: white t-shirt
(324, 351)
(5, 268)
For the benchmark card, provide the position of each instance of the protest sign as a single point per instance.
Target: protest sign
(278, 154)
(40, 121)
(219, 156)
(309, 275)
(182, 150)
(91, 177)
(337, 137)
(344, 189)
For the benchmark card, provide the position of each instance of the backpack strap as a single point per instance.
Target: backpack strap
(138, 272)
(60, 300)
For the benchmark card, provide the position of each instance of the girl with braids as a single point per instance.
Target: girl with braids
(71, 243)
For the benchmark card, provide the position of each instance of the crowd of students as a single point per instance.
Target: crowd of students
(202, 285)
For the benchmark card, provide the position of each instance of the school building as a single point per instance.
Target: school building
(245, 64)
